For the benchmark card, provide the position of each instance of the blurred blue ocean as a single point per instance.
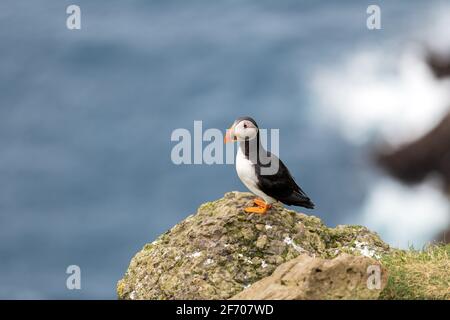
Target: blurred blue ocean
(86, 118)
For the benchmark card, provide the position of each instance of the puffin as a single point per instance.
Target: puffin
(252, 167)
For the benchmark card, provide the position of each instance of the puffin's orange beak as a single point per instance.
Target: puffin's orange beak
(228, 135)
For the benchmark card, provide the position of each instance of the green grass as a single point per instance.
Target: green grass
(418, 274)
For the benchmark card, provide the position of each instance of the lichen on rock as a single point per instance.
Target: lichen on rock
(221, 250)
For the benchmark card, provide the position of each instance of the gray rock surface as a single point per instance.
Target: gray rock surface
(308, 278)
(221, 250)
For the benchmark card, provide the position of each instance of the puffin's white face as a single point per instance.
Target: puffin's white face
(241, 131)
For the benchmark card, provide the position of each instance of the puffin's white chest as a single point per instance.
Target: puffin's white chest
(246, 172)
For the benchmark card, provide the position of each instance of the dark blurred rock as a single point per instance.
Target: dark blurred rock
(439, 64)
(430, 154)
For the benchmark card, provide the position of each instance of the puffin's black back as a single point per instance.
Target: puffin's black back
(282, 186)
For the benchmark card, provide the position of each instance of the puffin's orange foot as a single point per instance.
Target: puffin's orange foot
(259, 202)
(261, 208)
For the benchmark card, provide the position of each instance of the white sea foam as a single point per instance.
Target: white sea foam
(386, 91)
(405, 216)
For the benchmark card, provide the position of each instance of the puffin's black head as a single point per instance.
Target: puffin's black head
(243, 128)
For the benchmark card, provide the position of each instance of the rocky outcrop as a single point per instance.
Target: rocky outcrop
(308, 278)
(221, 250)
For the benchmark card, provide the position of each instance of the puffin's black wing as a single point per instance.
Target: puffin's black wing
(281, 186)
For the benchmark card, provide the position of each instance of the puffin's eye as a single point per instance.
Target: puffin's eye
(245, 126)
